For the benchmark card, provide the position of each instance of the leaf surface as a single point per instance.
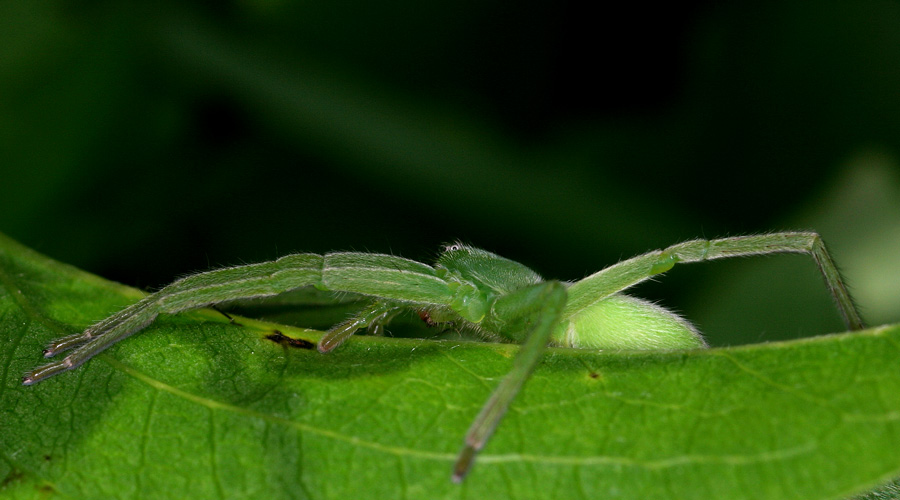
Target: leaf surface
(197, 407)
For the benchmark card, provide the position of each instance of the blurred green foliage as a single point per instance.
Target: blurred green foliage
(147, 140)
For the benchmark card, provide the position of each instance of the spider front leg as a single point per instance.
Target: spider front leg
(618, 277)
(530, 314)
(376, 275)
(374, 317)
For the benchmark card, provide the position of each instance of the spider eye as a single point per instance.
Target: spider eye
(453, 247)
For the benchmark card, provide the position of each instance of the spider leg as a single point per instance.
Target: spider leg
(620, 276)
(375, 314)
(536, 310)
(376, 275)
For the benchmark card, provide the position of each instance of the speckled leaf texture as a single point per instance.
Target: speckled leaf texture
(197, 407)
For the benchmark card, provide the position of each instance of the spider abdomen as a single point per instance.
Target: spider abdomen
(624, 322)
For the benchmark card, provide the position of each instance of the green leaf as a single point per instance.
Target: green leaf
(196, 407)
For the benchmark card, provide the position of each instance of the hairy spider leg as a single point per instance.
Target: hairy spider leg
(198, 286)
(372, 316)
(627, 273)
(75, 340)
(376, 327)
(376, 275)
(533, 311)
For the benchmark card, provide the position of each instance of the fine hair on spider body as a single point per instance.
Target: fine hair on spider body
(469, 288)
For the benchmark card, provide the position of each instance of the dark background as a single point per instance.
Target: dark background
(145, 141)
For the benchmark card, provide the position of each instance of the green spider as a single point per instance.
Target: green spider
(483, 292)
